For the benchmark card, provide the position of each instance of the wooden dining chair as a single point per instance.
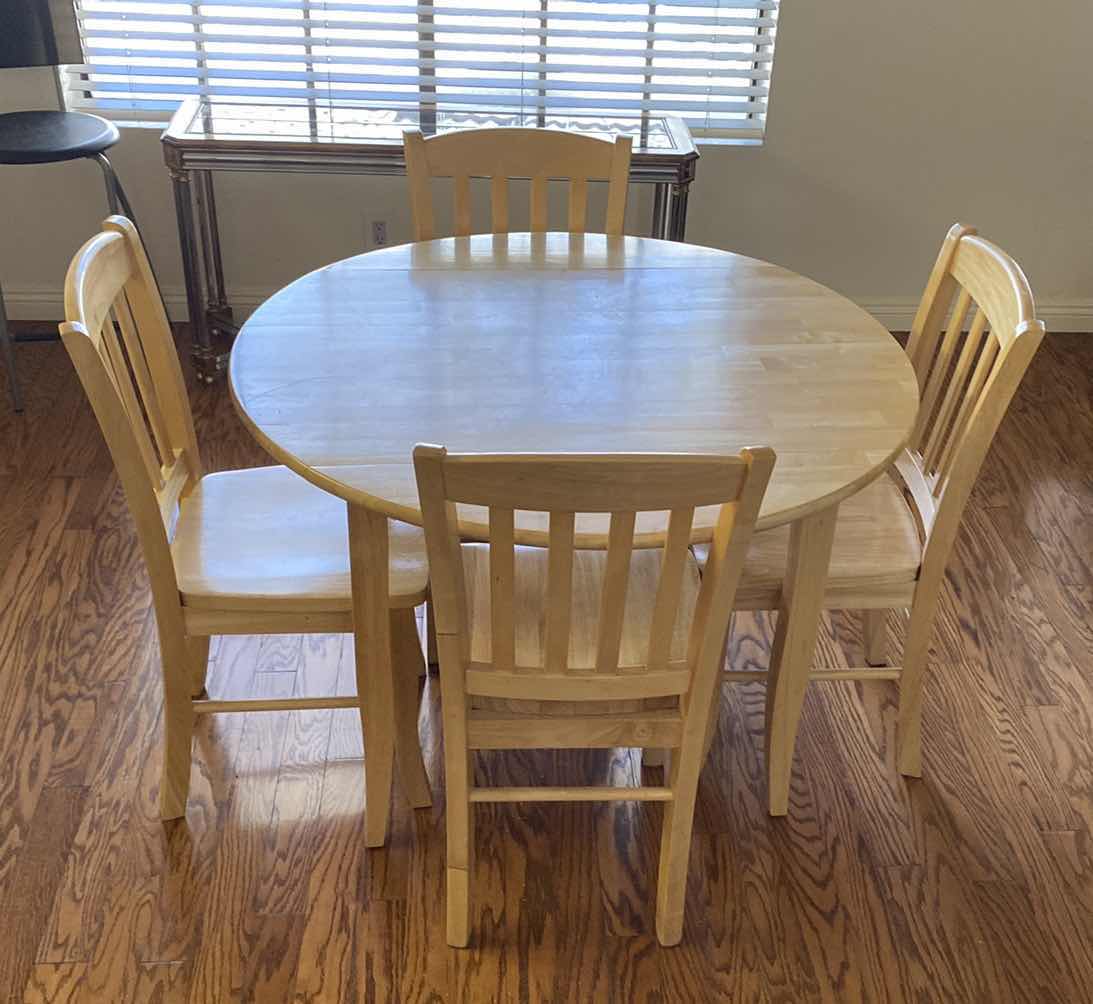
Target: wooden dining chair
(541, 155)
(561, 646)
(256, 551)
(972, 340)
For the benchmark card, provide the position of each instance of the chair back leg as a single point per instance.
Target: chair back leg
(199, 663)
(875, 637)
(408, 666)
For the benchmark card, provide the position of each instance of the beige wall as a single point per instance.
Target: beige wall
(889, 121)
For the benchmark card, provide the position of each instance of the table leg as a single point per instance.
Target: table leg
(388, 693)
(217, 308)
(203, 352)
(677, 215)
(794, 646)
(659, 228)
(368, 562)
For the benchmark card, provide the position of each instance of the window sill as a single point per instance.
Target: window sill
(727, 141)
(124, 124)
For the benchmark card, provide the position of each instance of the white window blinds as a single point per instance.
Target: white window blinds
(705, 61)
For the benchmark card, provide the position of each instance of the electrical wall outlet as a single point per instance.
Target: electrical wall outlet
(377, 234)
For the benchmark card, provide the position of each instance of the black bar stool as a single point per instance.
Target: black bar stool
(45, 137)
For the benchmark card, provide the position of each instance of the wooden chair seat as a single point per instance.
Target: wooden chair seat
(589, 572)
(877, 549)
(266, 539)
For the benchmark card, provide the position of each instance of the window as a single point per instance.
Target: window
(706, 61)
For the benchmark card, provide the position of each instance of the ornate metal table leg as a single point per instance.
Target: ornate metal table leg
(677, 214)
(660, 216)
(217, 309)
(204, 354)
(7, 348)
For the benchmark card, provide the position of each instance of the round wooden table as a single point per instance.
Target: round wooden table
(559, 342)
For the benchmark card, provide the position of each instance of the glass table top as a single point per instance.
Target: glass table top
(209, 120)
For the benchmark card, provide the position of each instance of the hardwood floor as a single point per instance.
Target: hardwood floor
(975, 884)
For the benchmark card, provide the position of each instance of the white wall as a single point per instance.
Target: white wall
(889, 121)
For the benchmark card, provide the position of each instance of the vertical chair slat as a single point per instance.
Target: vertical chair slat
(458, 597)
(154, 330)
(462, 205)
(979, 378)
(939, 371)
(578, 205)
(124, 382)
(669, 589)
(929, 317)
(502, 587)
(620, 543)
(499, 204)
(539, 203)
(145, 385)
(922, 344)
(954, 393)
(417, 174)
(616, 192)
(559, 591)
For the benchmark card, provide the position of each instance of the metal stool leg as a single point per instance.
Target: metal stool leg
(7, 348)
(115, 194)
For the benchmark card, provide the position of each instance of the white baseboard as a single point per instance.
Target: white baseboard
(1060, 315)
(46, 303)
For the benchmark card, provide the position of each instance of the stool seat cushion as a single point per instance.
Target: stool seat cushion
(45, 137)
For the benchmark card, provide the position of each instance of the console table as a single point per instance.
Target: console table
(210, 134)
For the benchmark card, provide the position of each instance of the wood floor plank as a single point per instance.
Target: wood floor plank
(37, 875)
(225, 954)
(176, 920)
(336, 891)
(163, 983)
(54, 984)
(112, 847)
(945, 952)
(37, 586)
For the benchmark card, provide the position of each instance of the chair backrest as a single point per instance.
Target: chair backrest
(117, 334)
(971, 342)
(541, 155)
(565, 485)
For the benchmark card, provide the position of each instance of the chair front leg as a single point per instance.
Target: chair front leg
(675, 854)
